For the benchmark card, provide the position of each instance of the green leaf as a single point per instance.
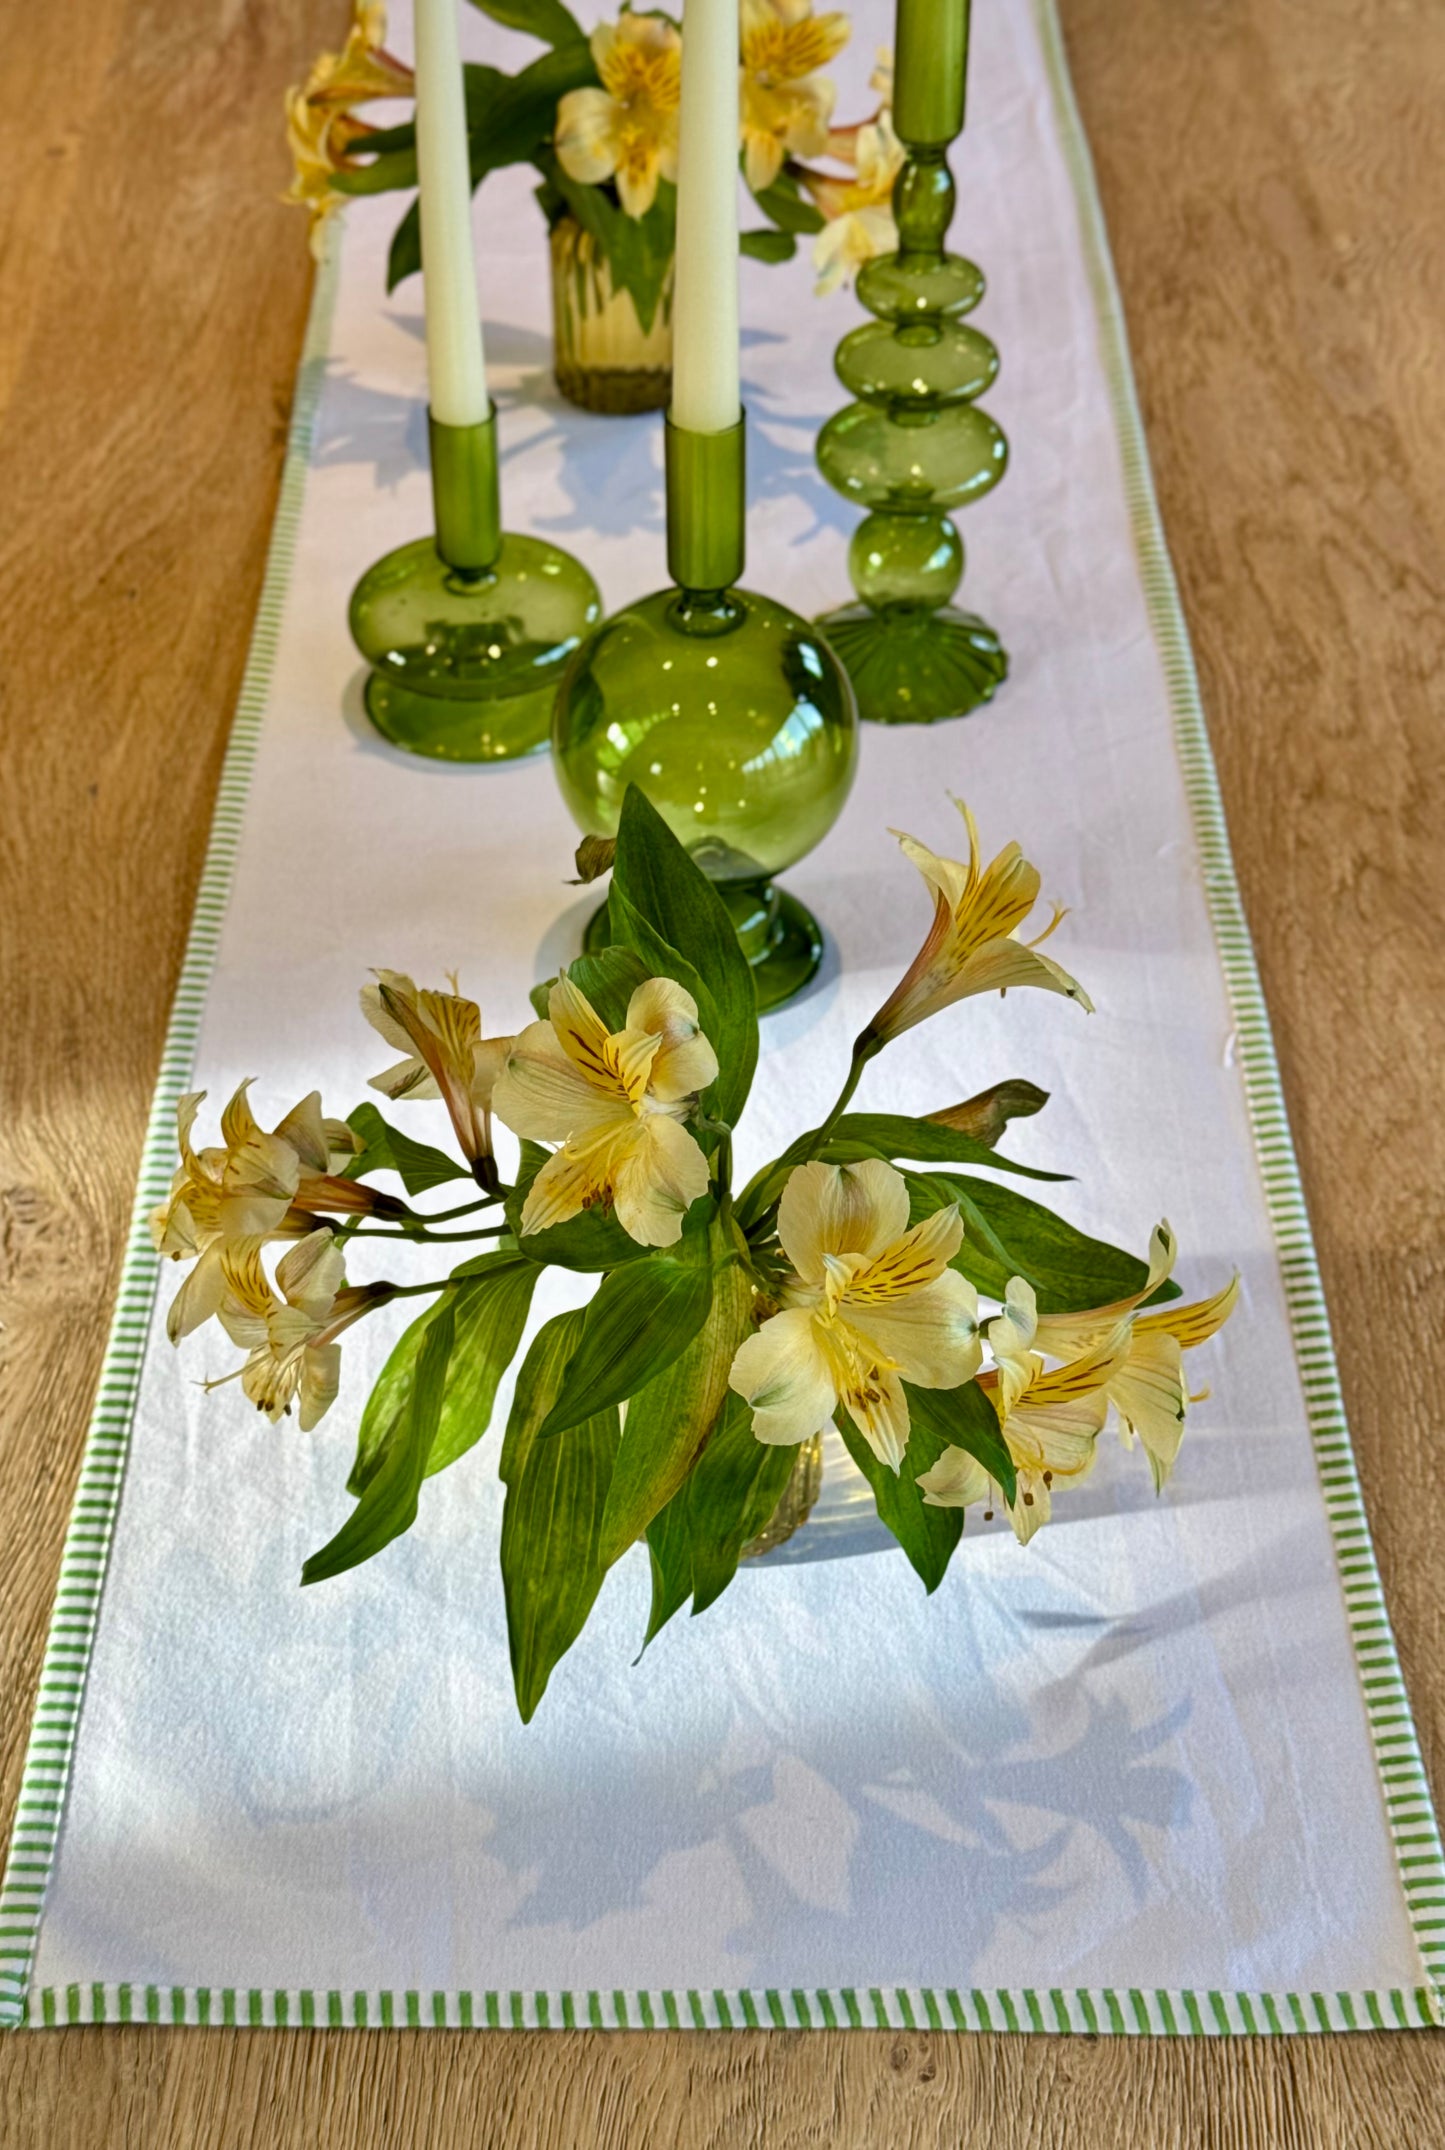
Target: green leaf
(1068, 1270)
(738, 1483)
(609, 979)
(924, 1142)
(388, 1506)
(385, 171)
(662, 884)
(788, 206)
(962, 1418)
(386, 1149)
(767, 245)
(927, 1535)
(638, 250)
(696, 1541)
(552, 1566)
(489, 1310)
(930, 1192)
(509, 121)
(640, 1320)
(547, 19)
(668, 1421)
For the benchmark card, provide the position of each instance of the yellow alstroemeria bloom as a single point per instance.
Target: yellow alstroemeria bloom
(290, 1342)
(869, 1304)
(321, 128)
(860, 223)
(226, 1203)
(627, 129)
(785, 104)
(1149, 1390)
(973, 944)
(1051, 1419)
(447, 1056)
(616, 1103)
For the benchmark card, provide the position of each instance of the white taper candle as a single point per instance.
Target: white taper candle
(705, 391)
(456, 367)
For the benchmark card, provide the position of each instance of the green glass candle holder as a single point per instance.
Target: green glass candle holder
(728, 710)
(913, 446)
(467, 633)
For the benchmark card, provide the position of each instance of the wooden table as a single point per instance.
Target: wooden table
(1270, 174)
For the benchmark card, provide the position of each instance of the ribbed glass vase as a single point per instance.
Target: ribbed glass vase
(603, 356)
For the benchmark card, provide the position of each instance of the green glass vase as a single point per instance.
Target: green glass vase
(727, 709)
(913, 446)
(467, 634)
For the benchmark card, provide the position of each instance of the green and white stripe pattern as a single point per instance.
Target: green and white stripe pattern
(1103, 2011)
(1092, 2011)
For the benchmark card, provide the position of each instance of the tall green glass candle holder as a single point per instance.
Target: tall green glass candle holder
(468, 633)
(729, 711)
(914, 446)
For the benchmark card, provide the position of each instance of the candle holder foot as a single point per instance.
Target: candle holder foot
(914, 667)
(465, 662)
(780, 937)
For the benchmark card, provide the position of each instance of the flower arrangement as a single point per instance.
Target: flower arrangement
(597, 116)
(842, 1284)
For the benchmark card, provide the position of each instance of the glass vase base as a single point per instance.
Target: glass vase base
(466, 664)
(800, 1496)
(780, 937)
(615, 391)
(914, 667)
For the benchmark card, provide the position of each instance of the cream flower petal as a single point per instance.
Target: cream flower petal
(782, 1372)
(913, 1260)
(1032, 1507)
(1000, 964)
(1192, 1325)
(320, 1381)
(637, 178)
(576, 1178)
(931, 1335)
(543, 1095)
(762, 158)
(409, 1078)
(305, 1130)
(1071, 1336)
(312, 1272)
(489, 1057)
(379, 1015)
(661, 1173)
(585, 137)
(879, 1409)
(199, 1297)
(580, 1031)
(685, 1062)
(956, 1480)
(840, 1209)
(1150, 1396)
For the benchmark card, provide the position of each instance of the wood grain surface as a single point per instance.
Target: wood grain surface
(1270, 173)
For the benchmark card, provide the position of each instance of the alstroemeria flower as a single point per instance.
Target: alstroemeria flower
(973, 944)
(1148, 1390)
(616, 1102)
(868, 1305)
(626, 130)
(785, 104)
(1051, 1419)
(291, 1341)
(860, 223)
(226, 1203)
(321, 128)
(447, 1056)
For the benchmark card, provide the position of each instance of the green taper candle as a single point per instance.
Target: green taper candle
(932, 61)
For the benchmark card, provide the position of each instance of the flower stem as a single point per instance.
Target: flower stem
(422, 1238)
(464, 1209)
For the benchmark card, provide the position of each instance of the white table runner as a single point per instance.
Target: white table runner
(1155, 1773)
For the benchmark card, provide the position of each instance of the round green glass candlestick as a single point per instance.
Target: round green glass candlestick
(730, 712)
(468, 634)
(913, 447)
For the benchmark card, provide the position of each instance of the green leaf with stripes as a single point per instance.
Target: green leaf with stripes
(552, 1565)
(1010, 1235)
(696, 1541)
(387, 1507)
(639, 1322)
(489, 1307)
(386, 1149)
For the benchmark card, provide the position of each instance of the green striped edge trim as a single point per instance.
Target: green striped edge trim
(46, 1775)
(1416, 1834)
(1077, 2010)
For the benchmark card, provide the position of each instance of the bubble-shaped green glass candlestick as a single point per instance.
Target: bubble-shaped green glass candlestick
(913, 447)
(728, 710)
(467, 634)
